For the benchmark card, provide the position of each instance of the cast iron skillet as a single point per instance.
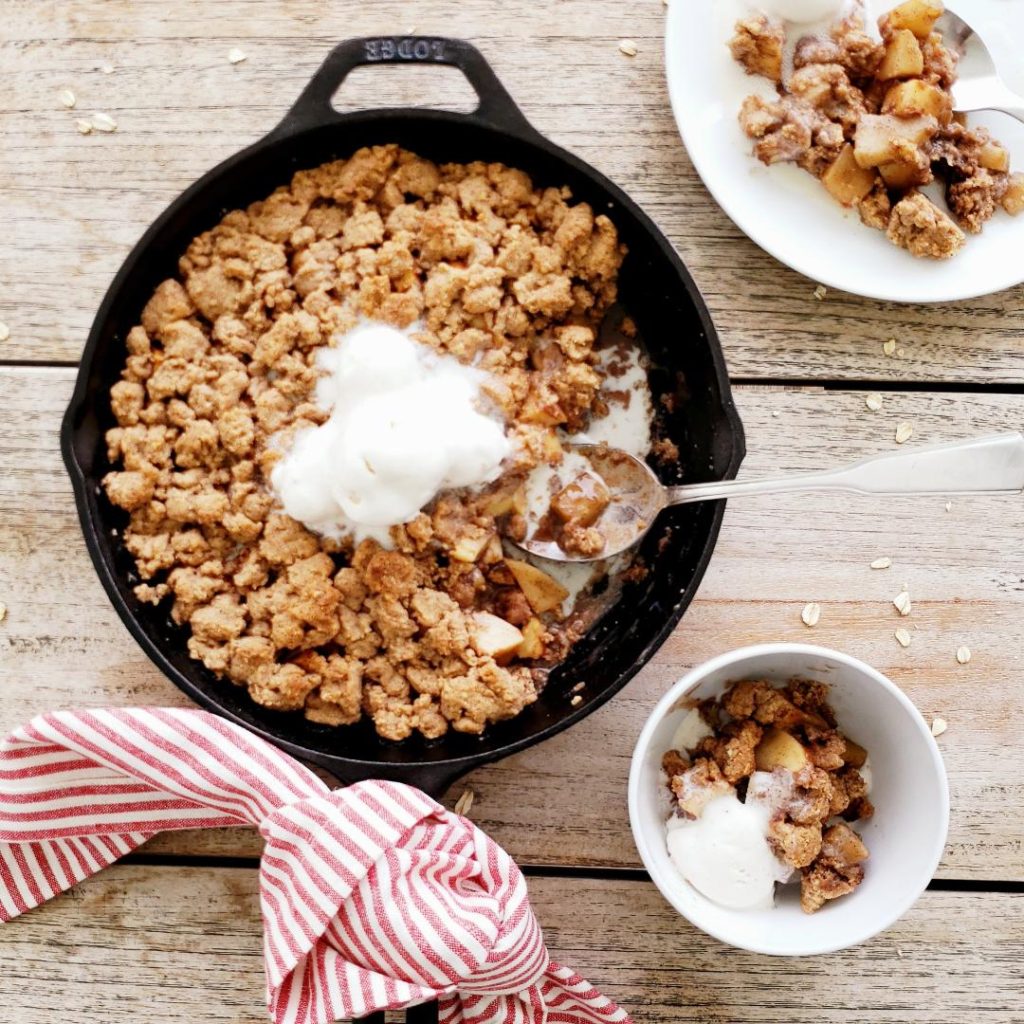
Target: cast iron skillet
(697, 412)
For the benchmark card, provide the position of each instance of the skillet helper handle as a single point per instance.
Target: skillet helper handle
(497, 109)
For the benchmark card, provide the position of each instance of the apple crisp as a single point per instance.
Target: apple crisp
(782, 746)
(874, 121)
(440, 630)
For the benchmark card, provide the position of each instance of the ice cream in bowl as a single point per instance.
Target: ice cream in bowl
(788, 799)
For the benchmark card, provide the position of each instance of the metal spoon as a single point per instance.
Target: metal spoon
(978, 86)
(987, 465)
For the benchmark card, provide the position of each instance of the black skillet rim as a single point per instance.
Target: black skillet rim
(497, 112)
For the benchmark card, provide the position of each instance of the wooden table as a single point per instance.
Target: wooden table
(172, 935)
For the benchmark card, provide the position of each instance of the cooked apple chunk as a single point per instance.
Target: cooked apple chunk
(495, 637)
(532, 644)
(994, 158)
(913, 97)
(854, 754)
(885, 139)
(544, 593)
(779, 749)
(1013, 197)
(903, 57)
(917, 16)
(900, 175)
(846, 180)
(582, 501)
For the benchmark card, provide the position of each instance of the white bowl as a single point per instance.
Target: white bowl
(905, 837)
(785, 211)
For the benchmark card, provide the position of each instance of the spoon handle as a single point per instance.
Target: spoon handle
(986, 465)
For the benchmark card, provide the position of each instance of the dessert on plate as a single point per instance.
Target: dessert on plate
(872, 119)
(331, 416)
(764, 789)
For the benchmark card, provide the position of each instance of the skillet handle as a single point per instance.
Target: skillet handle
(497, 109)
(434, 779)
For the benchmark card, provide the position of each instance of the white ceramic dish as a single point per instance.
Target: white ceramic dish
(789, 214)
(905, 837)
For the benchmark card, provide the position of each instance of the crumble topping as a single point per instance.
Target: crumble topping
(442, 631)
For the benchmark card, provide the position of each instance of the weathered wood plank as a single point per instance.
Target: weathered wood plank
(62, 645)
(144, 944)
(72, 206)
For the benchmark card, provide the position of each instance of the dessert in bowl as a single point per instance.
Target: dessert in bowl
(862, 866)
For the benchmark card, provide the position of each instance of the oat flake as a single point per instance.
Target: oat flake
(84, 127)
(963, 655)
(902, 603)
(873, 402)
(949, 506)
(889, 348)
(628, 47)
(902, 637)
(820, 292)
(3, 611)
(939, 726)
(68, 99)
(5, 331)
(236, 56)
(576, 701)
(464, 803)
(104, 123)
(107, 69)
(811, 613)
(881, 563)
(904, 431)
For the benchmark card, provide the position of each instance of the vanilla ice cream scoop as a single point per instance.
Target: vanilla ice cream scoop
(406, 423)
(725, 855)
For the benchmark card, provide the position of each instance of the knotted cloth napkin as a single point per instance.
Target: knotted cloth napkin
(373, 897)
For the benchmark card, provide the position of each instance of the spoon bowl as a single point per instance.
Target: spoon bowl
(986, 465)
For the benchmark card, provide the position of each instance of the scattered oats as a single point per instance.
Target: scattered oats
(902, 637)
(579, 687)
(811, 613)
(235, 55)
(873, 401)
(107, 69)
(776, 414)
(68, 98)
(939, 726)
(84, 127)
(900, 353)
(5, 331)
(104, 123)
(820, 292)
(576, 701)
(899, 952)
(628, 47)
(881, 563)
(464, 803)
(3, 611)
(902, 602)
(963, 655)
(889, 348)
(903, 431)
(411, 30)
(949, 506)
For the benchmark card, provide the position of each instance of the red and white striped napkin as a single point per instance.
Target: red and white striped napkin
(373, 897)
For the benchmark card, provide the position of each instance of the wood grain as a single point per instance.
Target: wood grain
(176, 945)
(564, 802)
(73, 205)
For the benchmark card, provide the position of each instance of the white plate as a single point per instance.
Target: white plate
(789, 214)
